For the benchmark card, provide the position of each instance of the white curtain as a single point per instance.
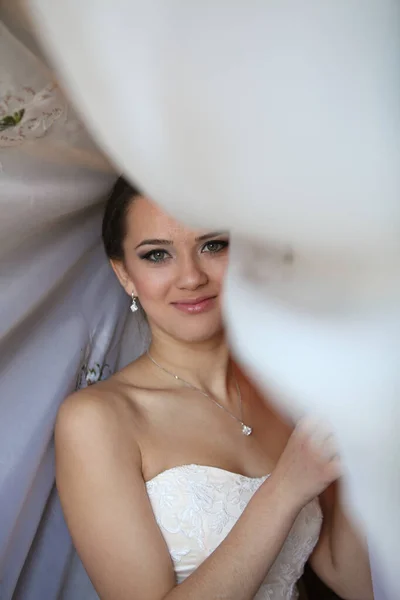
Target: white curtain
(62, 312)
(278, 120)
(63, 318)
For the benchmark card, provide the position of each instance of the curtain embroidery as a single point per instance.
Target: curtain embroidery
(88, 375)
(27, 114)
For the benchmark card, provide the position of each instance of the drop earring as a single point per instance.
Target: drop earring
(134, 305)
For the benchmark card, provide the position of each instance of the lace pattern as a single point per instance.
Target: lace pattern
(197, 506)
(28, 114)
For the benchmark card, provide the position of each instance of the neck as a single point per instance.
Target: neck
(203, 364)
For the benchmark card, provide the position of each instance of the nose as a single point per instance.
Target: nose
(191, 275)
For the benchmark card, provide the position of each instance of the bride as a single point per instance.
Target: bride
(175, 470)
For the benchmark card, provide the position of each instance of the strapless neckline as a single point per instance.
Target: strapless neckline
(196, 506)
(185, 466)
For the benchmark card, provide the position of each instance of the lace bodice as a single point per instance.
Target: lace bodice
(196, 507)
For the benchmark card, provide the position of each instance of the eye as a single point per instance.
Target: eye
(155, 256)
(215, 246)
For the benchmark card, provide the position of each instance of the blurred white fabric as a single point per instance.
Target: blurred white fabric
(280, 121)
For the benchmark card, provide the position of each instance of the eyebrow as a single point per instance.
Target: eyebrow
(206, 236)
(158, 242)
(154, 242)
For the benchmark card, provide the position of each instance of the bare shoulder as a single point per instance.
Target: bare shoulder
(110, 415)
(103, 493)
(100, 417)
(107, 402)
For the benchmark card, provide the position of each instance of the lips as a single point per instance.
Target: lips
(195, 305)
(194, 301)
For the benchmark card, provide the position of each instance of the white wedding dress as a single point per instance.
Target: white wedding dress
(197, 506)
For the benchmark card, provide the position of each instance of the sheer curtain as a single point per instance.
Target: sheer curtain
(62, 312)
(278, 121)
(63, 319)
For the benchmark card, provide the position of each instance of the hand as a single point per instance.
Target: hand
(309, 463)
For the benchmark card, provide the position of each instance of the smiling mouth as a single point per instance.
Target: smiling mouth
(195, 306)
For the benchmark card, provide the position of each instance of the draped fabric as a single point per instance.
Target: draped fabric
(63, 318)
(206, 121)
(62, 313)
(278, 121)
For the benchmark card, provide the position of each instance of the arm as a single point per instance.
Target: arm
(341, 556)
(111, 521)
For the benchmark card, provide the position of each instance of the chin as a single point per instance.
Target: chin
(193, 329)
(188, 332)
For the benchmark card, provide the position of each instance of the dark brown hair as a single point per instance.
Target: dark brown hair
(114, 219)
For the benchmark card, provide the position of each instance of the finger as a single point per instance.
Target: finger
(327, 447)
(335, 467)
(321, 435)
(307, 426)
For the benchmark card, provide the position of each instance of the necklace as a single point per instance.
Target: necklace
(246, 429)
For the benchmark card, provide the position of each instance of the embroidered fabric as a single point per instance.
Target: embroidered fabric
(197, 506)
(26, 114)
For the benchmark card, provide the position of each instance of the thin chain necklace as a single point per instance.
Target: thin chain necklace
(246, 429)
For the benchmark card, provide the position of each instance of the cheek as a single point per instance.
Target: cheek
(216, 269)
(151, 283)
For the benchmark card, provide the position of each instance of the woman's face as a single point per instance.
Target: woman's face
(176, 272)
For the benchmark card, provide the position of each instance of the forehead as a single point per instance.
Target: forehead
(146, 220)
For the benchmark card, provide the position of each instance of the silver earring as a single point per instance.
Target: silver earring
(134, 305)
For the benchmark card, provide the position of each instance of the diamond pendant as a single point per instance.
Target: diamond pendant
(246, 430)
